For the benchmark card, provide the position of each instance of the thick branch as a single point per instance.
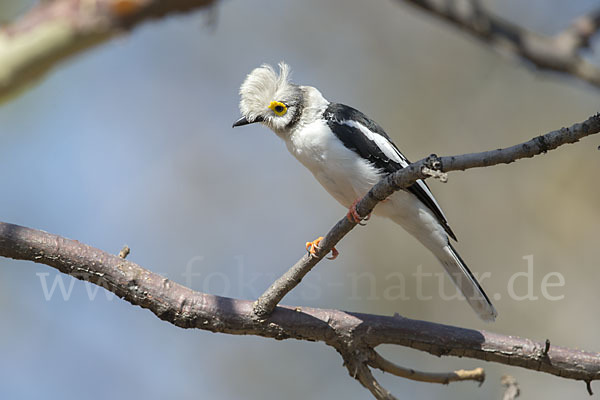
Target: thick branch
(186, 308)
(55, 30)
(559, 53)
(405, 177)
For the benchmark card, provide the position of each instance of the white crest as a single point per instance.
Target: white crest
(262, 86)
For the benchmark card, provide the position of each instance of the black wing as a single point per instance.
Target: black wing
(366, 138)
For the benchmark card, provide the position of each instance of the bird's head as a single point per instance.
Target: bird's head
(270, 98)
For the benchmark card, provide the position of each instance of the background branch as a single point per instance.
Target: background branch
(351, 334)
(55, 30)
(560, 52)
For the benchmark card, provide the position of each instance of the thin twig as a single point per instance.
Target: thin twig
(588, 387)
(560, 53)
(124, 252)
(512, 390)
(444, 378)
(407, 176)
(546, 348)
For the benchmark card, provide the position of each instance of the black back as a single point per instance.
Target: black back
(357, 141)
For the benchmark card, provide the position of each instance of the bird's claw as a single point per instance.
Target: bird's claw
(313, 246)
(353, 215)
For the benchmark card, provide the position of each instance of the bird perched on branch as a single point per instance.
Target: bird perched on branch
(348, 153)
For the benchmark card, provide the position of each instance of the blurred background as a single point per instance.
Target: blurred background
(131, 143)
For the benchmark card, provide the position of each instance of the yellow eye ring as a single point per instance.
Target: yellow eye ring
(278, 108)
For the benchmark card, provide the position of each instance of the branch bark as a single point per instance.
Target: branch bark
(55, 30)
(353, 335)
(560, 53)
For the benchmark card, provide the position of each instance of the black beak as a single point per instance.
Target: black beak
(243, 121)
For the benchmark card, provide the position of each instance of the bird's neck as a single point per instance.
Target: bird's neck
(313, 106)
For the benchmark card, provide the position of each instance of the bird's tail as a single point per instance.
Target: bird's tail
(466, 282)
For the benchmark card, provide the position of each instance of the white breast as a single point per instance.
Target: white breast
(342, 172)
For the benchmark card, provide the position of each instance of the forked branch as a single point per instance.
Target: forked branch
(560, 53)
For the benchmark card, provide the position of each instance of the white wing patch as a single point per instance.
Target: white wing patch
(386, 147)
(392, 153)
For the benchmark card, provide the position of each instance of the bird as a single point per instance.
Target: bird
(348, 153)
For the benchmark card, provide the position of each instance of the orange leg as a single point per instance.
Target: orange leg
(313, 246)
(353, 214)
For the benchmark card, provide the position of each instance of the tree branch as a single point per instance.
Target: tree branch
(55, 30)
(377, 361)
(560, 53)
(405, 177)
(351, 334)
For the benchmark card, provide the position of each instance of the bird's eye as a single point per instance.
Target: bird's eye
(278, 108)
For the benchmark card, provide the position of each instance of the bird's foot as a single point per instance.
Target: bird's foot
(313, 246)
(353, 214)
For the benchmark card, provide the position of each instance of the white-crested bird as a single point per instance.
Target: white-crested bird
(348, 153)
